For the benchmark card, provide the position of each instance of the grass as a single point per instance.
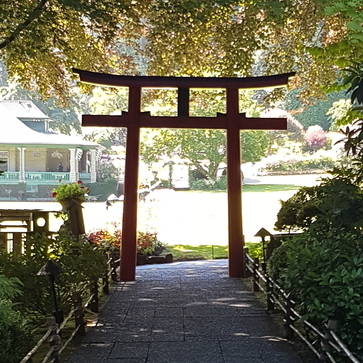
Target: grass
(256, 188)
(207, 252)
(262, 188)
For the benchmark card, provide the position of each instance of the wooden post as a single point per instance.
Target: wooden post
(325, 346)
(113, 266)
(129, 219)
(247, 272)
(289, 333)
(234, 185)
(106, 284)
(17, 243)
(95, 299)
(255, 275)
(78, 313)
(54, 340)
(270, 302)
(3, 242)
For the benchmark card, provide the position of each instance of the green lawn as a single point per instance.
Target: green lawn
(256, 188)
(260, 188)
(207, 252)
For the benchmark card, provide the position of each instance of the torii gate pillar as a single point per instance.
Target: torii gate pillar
(233, 122)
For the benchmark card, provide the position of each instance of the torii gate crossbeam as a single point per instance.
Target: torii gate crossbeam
(232, 121)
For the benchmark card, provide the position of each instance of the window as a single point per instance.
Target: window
(4, 164)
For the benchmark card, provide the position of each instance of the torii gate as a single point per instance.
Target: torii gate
(232, 121)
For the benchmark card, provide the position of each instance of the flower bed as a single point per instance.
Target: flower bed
(148, 246)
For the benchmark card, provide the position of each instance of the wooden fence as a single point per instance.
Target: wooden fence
(53, 334)
(322, 341)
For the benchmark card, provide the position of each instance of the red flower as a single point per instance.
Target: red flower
(54, 194)
(80, 182)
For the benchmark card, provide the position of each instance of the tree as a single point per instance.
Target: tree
(42, 40)
(315, 138)
(105, 101)
(312, 114)
(65, 119)
(294, 131)
(205, 150)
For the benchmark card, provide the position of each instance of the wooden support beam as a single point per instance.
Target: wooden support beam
(183, 102)
(129, 219)
(234, 187)
(184, 122)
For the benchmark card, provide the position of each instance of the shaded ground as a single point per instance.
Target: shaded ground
(184, 312)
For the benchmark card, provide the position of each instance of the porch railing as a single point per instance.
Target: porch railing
(40, 177)
(9, 176)
(46, 177)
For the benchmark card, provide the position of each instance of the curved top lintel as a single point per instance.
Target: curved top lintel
(112, 80)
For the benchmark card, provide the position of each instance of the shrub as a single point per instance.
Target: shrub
(15, 336)
(80, 261)
(296, 165)
(315, 138)
(200, 184)
(335, 202)
(323, 267)
(106, 239)
(147, 242)
(220, 183)
(325, 272)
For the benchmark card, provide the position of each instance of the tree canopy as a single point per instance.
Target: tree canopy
(40, 41)
(205, 150)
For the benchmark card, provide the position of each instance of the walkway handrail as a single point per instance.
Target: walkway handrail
(276, 295)
(53, 333)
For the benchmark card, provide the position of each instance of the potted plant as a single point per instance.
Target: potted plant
(71, 196)
(75, 192)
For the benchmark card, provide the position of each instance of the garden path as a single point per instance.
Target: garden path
(184, 312)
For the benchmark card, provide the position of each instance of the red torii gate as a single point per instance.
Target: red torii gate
(232, 121)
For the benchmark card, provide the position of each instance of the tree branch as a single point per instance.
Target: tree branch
(32, 16)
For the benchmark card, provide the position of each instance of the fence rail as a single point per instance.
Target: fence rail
(322, 344)
(53, 334)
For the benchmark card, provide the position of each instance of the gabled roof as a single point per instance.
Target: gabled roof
(25, 109)
(14, 132)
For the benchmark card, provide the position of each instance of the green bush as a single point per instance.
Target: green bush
(322, 268)
(255, 250)
(15, 336)
(204, 184)
(335, 202)
(80, 261)
(199, 184)
(221, 183)
(325, 272)
(295, 165)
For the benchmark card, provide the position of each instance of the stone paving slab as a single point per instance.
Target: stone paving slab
(189, 312)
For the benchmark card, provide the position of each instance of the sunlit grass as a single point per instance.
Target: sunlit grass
(258, 188)
(207, 252)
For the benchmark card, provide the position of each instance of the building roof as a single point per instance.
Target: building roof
(25, 109)
(14, 132)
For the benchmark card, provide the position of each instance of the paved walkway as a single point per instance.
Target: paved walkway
(185, 312)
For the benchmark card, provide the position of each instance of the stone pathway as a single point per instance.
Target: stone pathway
(184, 312)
